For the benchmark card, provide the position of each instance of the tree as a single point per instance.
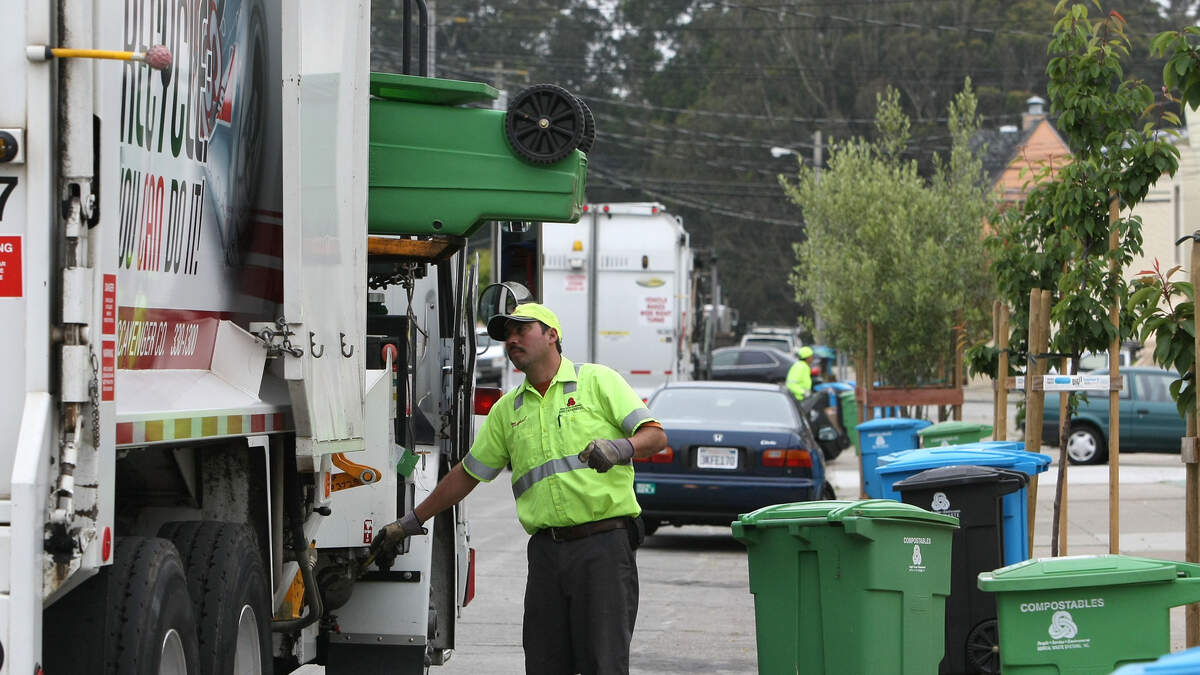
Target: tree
(889, 247)
(1064, 236)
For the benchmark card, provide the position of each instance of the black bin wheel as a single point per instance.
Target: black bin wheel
(589, 128)
(983, 648)
(545, 123)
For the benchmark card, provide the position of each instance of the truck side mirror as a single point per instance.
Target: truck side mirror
(501, 298)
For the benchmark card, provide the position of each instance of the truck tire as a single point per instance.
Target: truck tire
(228, 588)
(151, 630)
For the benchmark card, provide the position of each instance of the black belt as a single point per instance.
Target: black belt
(586, 529)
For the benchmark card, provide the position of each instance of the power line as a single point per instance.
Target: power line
(694, 203)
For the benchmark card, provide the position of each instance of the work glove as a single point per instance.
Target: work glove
(385, 544)
(603, 453)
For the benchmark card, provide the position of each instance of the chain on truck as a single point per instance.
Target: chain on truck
(240, 324)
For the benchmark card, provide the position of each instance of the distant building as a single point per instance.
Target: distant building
(1171, 209)
(1015, 156)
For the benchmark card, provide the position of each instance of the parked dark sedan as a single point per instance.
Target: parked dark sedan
(1149, 419)
(732, 447)
(751, 364)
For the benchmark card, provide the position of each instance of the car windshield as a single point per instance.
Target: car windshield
(740, 407)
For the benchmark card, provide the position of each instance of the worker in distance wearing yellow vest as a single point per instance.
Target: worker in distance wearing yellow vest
(569, 431)
(799, 377)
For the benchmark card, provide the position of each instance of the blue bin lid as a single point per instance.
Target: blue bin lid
(893, 424)
(1179, 663)
(950, 455)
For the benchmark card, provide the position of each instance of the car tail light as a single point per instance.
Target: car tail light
(799, 458)
(485, 398)
(664, 456)
(772, 458)
(790, 458)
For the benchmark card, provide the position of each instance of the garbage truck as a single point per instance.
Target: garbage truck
(625, 285)
(235, 296)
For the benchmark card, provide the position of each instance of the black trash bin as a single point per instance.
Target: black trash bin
(974, 495)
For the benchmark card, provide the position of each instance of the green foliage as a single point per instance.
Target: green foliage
(1182, 70)
(1166, 310)
(887, 246)
(1059, 238)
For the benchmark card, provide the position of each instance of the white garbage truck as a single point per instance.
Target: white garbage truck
(624, 285)
(236, 299)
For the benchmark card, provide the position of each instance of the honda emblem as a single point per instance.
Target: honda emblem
(717, 437)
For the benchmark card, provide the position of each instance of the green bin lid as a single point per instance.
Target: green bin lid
(431, 90)
(834, 511)
(948, 428)
(1045, 574)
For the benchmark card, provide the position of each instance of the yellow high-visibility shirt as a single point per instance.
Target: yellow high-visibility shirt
(799, 380)
(541, 436)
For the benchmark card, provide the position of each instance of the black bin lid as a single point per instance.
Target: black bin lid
(960, 474)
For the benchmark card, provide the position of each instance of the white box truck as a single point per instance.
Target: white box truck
(621, 281)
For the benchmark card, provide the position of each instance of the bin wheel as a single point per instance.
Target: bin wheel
(589, 128)
(544, 123)
(983, 648)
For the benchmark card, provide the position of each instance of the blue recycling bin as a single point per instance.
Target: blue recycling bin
(895, 467)
(1186, 662)
(882, 437)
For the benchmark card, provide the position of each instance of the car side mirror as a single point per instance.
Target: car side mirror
(501, 298)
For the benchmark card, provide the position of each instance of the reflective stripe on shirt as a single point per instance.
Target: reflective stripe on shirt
(483, 471)
(546, 470)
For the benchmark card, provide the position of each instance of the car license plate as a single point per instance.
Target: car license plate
(644, 488)
(716, 458)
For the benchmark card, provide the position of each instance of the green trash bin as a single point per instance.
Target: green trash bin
(848, 586)
(438, 167)
(1087, 614)
(953, 433)
(849, 417)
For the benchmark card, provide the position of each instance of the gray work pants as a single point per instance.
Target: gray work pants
(581, 600)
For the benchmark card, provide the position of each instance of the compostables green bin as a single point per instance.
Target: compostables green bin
(1086, 614)
(848, 586)
(850, 417)
(438, 167)
(953, 433)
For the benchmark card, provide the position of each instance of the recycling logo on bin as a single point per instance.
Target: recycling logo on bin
(1063, 630)
(879, 442)
(918, 560)
(941, 504)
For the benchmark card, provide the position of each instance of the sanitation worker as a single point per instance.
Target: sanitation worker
(799, 377)
(569, 431)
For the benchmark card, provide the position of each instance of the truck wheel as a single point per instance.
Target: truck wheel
(229, 595)
(544, 123)
(151, 630)
(1086, 445)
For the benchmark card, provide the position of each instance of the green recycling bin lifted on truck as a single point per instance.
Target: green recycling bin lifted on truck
(848, 587)
(953, 433)
(438, 167)
(1087, 614)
